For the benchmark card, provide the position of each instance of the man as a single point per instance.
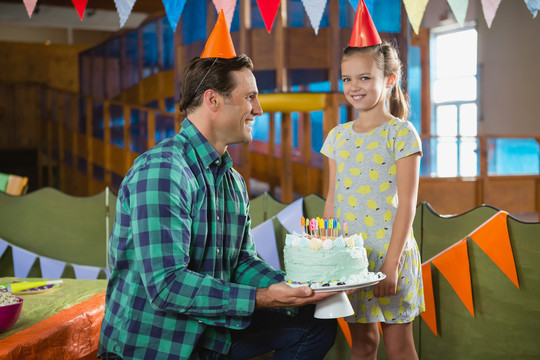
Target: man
(185, 279)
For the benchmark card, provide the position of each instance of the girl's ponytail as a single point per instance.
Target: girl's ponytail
(398, 104)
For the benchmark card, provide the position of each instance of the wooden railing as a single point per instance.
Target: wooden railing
(80, 154)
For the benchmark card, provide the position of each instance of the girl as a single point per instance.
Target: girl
(374, 163)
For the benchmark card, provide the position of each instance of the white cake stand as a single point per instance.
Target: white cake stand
(338, 305)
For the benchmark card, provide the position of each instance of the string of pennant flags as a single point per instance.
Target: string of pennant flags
(453, 263)
(314, 9)
(23, 261)
(492, 237)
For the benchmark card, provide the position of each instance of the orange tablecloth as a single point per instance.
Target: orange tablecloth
(72, 333)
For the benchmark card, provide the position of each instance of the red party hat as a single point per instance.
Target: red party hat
(219, 43)
(364, 32)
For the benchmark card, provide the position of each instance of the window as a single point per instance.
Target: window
(455, 103)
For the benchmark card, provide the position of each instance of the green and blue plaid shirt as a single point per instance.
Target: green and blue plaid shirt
(183, 265)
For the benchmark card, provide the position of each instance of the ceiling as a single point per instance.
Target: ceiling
(57, 21)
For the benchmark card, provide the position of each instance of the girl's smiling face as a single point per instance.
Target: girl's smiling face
(363, 82)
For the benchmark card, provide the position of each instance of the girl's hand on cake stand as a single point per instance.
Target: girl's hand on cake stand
(282, 295)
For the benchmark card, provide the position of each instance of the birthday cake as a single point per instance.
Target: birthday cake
(322, 258)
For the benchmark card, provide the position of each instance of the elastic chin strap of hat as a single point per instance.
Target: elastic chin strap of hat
(202, 80)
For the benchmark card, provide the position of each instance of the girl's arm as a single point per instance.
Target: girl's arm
(407, 189)
(329, 204)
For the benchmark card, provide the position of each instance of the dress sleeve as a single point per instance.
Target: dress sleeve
(328, 147)
(406, 141)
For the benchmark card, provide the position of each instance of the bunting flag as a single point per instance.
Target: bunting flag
(86, 272)
(30, 6)
(415, 11)
(264, 238)
(80, 6)
(3, 246)
(493, 238)
(173, 9)
(429, 315)
(228, 9)
(453, 263)
(314, 10)
(124, 7)
(490, 9)
(268, 9)
(459, 8)
(290, 216)
(533, 6)
(22, 261)
(345, 329)
(50, 268)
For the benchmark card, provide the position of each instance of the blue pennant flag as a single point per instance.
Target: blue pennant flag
(174, 9)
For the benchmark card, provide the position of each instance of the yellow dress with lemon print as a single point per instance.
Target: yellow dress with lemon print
(366, 198)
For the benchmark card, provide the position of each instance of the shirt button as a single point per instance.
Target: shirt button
(217, 218)
(217, 161)
(289, 313)
(217, 250)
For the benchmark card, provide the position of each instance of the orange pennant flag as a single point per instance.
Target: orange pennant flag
(429, 316)
(492, 237)
(453, 263)
(346, 331)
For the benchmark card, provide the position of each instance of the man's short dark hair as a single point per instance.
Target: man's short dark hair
(209, 73)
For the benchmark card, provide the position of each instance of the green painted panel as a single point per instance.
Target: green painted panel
(505, 325)
(55, 225)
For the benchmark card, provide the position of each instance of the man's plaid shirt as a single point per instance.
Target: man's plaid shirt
(183, 265)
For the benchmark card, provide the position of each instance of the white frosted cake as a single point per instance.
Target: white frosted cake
(324, 261)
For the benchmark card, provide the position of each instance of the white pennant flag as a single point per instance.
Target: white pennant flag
(264, 238)
(315, 10)
(290, 216)
(86, 272)
(50, 268)
(3, 246)
(124, 7)
(22, 261)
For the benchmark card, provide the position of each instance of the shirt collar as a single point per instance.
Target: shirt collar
(203, 148)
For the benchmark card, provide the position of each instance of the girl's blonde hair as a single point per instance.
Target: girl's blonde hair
(387, 59)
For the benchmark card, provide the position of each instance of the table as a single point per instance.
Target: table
(62, 323)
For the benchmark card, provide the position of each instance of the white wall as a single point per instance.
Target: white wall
(509, 64)
(509, 54)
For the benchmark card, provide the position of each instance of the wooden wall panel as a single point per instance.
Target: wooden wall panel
(19, 115)
(300, 56)
(117, 161)
(448, 196)
(262, 45)
(98, 152)
(515, 195)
